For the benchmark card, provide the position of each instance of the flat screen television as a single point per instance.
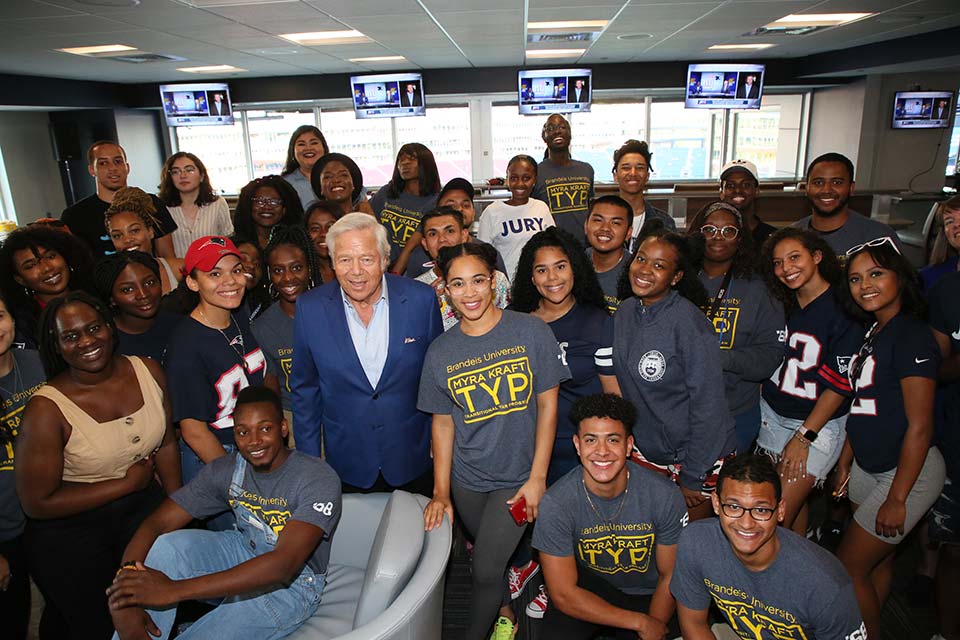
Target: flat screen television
(923, 109)
(724, 86)
(545, 91)
(190, 105)
(389, 95)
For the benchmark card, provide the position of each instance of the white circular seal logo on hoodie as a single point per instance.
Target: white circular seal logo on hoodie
(652, 366)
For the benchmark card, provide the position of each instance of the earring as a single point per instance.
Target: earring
(272, 292)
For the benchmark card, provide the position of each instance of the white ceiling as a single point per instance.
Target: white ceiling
(429, 33)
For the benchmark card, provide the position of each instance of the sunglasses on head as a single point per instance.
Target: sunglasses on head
(876, 242)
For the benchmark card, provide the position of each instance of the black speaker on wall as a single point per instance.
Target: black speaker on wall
(66, 141)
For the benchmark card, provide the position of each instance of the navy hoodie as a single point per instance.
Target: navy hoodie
(667, 362)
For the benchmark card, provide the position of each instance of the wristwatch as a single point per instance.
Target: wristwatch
(809, 434)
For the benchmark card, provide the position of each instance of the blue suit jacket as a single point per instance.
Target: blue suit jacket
(366, 431)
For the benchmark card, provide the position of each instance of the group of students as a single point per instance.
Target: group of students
(601, 380)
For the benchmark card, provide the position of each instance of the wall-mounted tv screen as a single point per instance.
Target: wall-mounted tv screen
(389, 95)
(724, 86)
(543, 91)
(923, 109)
(189, 105)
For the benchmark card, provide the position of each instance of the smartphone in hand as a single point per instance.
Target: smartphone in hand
(519, 511)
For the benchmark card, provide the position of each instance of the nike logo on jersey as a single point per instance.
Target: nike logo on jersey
(919, 361)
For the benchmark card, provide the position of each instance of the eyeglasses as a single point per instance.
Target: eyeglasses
(876, 242)
(267, 202)
(189, 170)
(554, 128)
(477, 282)
(760, 514)
(728, 232)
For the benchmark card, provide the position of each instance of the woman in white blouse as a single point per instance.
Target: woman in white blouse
(192, 202)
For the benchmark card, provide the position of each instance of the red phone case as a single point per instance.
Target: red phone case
(519, 512)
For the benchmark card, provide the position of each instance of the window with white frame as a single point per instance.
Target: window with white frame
(222, 150)
(369, 142)
(684, 142)
(446, 132)
(269, 133)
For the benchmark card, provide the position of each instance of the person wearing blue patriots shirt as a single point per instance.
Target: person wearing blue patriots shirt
(212, 355)
(889, 467)
(804, 404)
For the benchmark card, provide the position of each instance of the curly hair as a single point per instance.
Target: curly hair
(168, 192)
(912, 301)
(633, 146)
(132, 200)
(291, 163)
(37, 238)
(243, 215)
(745, 258)
(829, 267)
(689, 285)
(429, 176)
(604, 405)
(49, 342)
(586, 286)
(108, 269)
(295, 237)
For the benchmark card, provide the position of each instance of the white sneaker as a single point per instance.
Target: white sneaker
(538, 606)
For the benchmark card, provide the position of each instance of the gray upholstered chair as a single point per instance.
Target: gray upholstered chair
(386, 575)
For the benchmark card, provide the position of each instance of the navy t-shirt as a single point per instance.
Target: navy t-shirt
(205, 372)
(819, 340)
(945, 318)
(904, 348)
(585, 337)
(152, 343)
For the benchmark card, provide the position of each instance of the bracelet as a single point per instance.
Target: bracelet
(799, 438)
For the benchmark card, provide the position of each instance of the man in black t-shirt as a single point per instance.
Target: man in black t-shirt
(607, 533)
(107, 163)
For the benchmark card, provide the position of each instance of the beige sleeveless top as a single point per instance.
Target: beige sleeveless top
(98, 451)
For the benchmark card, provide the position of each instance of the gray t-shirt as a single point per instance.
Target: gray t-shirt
(567, 190)
(489, 384)
(608, 281)
(806, 593)
(857, 230)
(304, 488)
(15, 390)
(273, 330)
(623, 554)
(400, 216)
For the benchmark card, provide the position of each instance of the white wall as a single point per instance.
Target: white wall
(141, 136)
(835, 121)
(31, 169)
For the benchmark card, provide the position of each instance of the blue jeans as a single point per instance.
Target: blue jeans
(190, 553)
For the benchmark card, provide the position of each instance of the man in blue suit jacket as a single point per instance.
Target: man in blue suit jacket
(358, 350)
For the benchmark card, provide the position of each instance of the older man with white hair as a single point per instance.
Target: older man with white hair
(359, 345)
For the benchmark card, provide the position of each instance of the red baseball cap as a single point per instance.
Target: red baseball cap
(204, 253)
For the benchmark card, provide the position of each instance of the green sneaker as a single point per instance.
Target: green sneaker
(503, 629)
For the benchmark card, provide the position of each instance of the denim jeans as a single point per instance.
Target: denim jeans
(190, 553)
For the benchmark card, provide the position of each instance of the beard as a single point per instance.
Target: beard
(829, 213)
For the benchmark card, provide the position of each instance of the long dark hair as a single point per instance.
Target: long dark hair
(291, 164)
(168, 191)
(429, 176)
(243, 215)
(586, 287)
(689, 286)
(745, 258)
(49, 342)
(35, 238)
(829, 266)
(912, 301)
(295, 237)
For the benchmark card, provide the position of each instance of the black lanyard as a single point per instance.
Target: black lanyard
(721, 293)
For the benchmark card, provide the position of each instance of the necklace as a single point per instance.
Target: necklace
(608, 521)
(232, 343)
(17, 383)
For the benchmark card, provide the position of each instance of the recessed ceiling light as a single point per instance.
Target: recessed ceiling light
(100, 49)
(555, 53)
(557, 25)
(380, 59)
(742, 47)
(634, 36)
(314, 38)
(819, 19)
(212, 68)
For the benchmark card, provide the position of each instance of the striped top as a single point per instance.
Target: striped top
(212, 220)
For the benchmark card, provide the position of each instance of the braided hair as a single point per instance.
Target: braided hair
(135, 201)
(109, 268)
(295, 237)
(49, 340)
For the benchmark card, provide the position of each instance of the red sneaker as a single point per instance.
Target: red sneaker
(518, 577)
(538, 606)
